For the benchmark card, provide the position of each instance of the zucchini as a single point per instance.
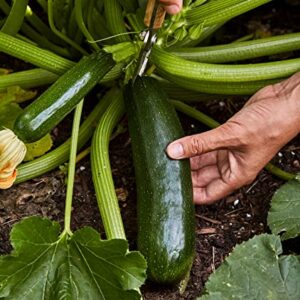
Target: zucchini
(41, 116)
(166, 222)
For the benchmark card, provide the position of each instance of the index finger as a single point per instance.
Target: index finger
(172, 7)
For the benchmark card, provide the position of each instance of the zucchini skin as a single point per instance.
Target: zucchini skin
(165, 210)
(41, 116)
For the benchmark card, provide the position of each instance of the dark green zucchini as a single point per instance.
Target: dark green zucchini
(41, 116)
(166, 217)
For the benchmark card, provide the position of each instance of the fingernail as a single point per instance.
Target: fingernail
(173, 9)
(175, 150)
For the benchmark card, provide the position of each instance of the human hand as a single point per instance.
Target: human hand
(172, 7)
(230, 156)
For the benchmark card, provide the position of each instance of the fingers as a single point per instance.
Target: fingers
(222, 137)
(206, 159)
(214, 191)
(204, 176)
(172, 7)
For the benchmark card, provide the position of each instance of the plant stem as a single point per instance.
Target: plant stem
(114, 19)
(58, 156)
(41, 27)
(81, 24)
(219, 88)
(241, 50)
(83, 154)
(43, 58)
(222, 73)
(101, 170)
(60, 34)
(27, 79)
(71, 169)
(15, 18)
(279, 172)
(211, 123)
(220, 11)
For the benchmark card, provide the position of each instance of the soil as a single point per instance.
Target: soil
(219, 227)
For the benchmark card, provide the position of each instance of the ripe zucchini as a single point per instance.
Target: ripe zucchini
(41, 116)
(166, 222)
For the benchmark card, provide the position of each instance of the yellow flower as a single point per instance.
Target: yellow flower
(12, 153)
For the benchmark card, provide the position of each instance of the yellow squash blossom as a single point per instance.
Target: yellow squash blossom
(12, 153)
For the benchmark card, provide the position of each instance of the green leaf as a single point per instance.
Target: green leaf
(254, 270)
(44, 265)
(8, 114)
(284, 215)
(16, 94)
(38, 148)
(122, 51)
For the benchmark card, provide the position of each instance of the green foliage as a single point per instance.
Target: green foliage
(10, 110)
(8, 114)
(284, 214)
(44, 265)
(38, 148)
(254, 270)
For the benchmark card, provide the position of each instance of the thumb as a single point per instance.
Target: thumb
(189, 146)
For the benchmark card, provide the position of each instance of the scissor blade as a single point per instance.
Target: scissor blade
(153, 18)
(150, 39)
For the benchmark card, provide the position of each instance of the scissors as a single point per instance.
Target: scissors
(154, 18)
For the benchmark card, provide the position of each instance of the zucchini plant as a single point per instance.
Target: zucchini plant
(76, 45)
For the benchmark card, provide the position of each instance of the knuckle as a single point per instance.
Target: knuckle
(195, 146)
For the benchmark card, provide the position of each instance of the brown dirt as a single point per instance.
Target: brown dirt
(219, 227)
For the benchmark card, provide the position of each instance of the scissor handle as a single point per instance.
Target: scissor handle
(155, 14)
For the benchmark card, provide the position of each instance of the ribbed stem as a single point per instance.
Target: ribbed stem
(15, 18)
(241, 50)
(218, 11)
(222, 73)
(58, 156)
(211, 123)
(101, 170)
(44, 58)
(27, 79)
(81, 24)
(219, 88)
(114, 19)
(60, 34)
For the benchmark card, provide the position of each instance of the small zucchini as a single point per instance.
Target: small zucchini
(41, 116)
(166, 222)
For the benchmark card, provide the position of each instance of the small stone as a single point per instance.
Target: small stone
(236, 202)
(280, 154)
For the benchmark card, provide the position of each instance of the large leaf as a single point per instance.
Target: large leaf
(254, 271)
(47, 266)
(284, 215)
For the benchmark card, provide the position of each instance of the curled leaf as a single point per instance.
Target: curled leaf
(12, 153)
